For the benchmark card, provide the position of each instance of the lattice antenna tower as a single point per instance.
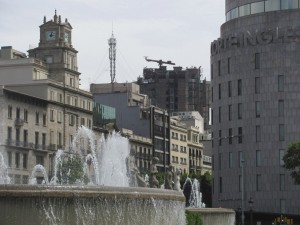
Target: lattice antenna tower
(112, 42)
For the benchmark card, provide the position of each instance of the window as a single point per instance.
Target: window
(212, 94)
(258, 133)
(280, 108)
(25, 137)
(234, 13)
(220, 185)
(257, 85)
(36, 139)
(230, 136)
(71, 120)
(257, 7)
(219, 67)
(44, 119)
(240, 110)
(52, 115)
(25, 159)
(230, 160)
(220, 161)
(9, 112)
(272, 5)
(59, 143)
(40, 160)
(244, 10)
(282, 182)
(59, 116)
(82, 121)
(289, 4)
(229, 112)
(49, 59)
(9, 156)
(18, 113)
(220, 95)
(258, 182)
(241, 159)
(257, 109)
(17, 136)
(37, 118)
(44, 140)
(52, 97)
(9, 133)
(281, 154)
(211, 71)
(240, 139)
(70, 140)
(220, 114)
(228, 65)
(212, 116)
(17, 160)
(239, 87)
(257, 61)
(60, 97)
(25, 115)
(258, 158)
(281, 132)
(280, 83)
(229, 89)
(220, 137)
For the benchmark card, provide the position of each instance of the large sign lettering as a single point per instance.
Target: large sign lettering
(254, 38)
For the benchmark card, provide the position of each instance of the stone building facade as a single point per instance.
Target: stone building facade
(48, 98)
(255, 103)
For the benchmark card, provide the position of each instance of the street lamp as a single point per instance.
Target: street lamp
(243, 216)
(251, 211)
(239, 216)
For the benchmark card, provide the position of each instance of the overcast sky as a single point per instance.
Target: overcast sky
(176, 30)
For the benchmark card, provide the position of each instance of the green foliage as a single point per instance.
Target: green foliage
(71, 170)
(160, 177)
(292, 161)
(193, 218)
(206, 188)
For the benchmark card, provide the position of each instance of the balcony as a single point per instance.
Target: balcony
(19, 122)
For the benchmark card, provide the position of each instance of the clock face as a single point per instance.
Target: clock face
(66, 37)
(50, 35)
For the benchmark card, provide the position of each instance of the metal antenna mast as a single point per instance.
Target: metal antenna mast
(112, 42)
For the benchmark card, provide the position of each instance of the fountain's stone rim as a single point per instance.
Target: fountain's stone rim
(50, 191)
(210, 210)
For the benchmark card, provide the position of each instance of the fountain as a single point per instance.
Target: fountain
(194, 204)
(107, 199)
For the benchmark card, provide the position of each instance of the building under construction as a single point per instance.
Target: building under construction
(177, 89)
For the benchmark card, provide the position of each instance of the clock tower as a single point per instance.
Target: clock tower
(56, 50)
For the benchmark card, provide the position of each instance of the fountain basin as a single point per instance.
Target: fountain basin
(213, 216)
(89, 205)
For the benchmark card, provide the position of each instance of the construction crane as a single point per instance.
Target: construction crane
(160, 62)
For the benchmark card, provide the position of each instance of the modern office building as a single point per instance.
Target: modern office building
(255, 102)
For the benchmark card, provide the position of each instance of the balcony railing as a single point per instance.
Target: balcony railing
(19, 122)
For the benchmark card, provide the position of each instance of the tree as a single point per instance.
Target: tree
(292, 161)
(206, 189)
(71, 171)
